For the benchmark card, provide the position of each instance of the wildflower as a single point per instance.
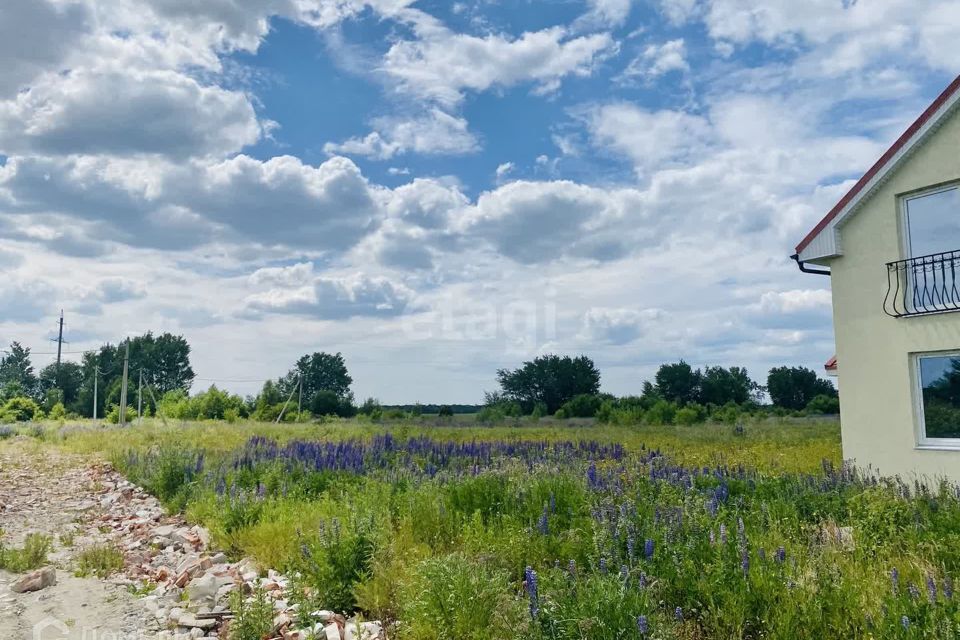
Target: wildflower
(624, 573)
(895, 579)
(741, 530)
(648, 548)
(723, 533)
(931, 589)
(603, 565)
(905, 622)
(745, 562)
(572, 569)
(713, 538)
(543, 524)
(642, 580)
(531, 584)
(781, 555)
(948, 588)
(631, 546)
(643, 625)
(914, 592)
(678, 614)
(762, 554)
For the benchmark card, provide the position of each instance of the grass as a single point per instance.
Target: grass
(101, 561)
(32, 555)
(547, 531)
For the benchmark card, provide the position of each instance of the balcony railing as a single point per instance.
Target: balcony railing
(923, 285)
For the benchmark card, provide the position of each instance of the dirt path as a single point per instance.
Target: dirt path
(45, 491)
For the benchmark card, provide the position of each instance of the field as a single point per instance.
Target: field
(546, 531)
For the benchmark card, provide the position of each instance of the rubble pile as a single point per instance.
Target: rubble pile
(191, 582)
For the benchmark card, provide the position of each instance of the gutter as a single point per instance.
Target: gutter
(804, 268)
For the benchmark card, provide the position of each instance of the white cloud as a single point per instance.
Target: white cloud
(159, 112)
(650, 138)
(437, 133)
(617, 325)
(657, 60)
(504, 169)
(606, 12)
(335, 298)
(443, 65)
(795, 300)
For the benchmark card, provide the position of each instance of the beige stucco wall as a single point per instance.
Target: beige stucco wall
(877, 398)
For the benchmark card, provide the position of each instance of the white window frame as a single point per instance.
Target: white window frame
(905, 198)
(923, 442)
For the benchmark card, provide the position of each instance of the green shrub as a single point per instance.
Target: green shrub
(446, 411)
(253, 618)
(32, 555)
(113, 415)
(690, 414)
(454, 597)
(19, 409)
(662, 412)
(101, 561)
(584, 405)
(58, 412)
(824, 405)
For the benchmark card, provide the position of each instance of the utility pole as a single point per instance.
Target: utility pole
(140, 399)
(96, 375)
(59, 345)
(300, 399)
(123, 388)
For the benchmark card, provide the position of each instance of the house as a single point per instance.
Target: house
(891, 247)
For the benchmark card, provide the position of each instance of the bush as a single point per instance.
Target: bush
(446, 411)
(662, 412)
(113, 415)
(32, 555)
(6, 431)
(101, 561)
(824, 404)
(691, 414)
(58, 412)
(253, 618)
(19, 409)
(584, 405)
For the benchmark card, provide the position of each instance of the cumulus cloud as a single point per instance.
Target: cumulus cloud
(335, 298)
(437, 133)
(606, 12)
(442, 65)
(160, 112)
(795, 300)
(617, 325)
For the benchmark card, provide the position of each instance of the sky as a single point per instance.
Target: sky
(441, 189)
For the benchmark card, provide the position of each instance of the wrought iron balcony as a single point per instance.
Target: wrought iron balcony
(923, 285)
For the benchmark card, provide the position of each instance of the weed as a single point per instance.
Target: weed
(101, 561)
(32, 555)
(253, 617)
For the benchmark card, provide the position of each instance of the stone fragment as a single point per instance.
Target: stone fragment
(35, 580)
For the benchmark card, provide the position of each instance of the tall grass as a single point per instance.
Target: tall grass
(568, 532)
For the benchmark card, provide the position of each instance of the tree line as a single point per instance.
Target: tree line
(319, 384)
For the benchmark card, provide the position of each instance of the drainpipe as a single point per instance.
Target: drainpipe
(803, 267)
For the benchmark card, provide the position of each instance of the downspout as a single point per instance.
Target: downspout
(804, 268)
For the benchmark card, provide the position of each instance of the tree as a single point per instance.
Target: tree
(718, 386)
(550, 379)
(322, 374)
(68, 381)
(678, 383)
(794, 387)
(17, 370)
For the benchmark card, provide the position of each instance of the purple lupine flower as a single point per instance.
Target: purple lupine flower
(642, 580)
(531, 583)
(603, 565)
(678, 614)
(931, 589)
(648, 548)
(723, 533)
(713, 538)
(948, 588)
(745, 562)
(631, 546)
(741, 530)
(572, 569)
(624, 573)
(781, 555)
(905, 622)
(543, 524)
(643, 625)
(895, 579)
(914, 592)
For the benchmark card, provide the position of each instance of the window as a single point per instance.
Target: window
(933, 222)
(939, 398)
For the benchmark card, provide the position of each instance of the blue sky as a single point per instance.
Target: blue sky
(442, 189)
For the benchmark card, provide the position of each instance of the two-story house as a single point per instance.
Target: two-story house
(891, 247)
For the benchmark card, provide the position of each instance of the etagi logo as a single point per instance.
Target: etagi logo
(50, 629)
(54, 629)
